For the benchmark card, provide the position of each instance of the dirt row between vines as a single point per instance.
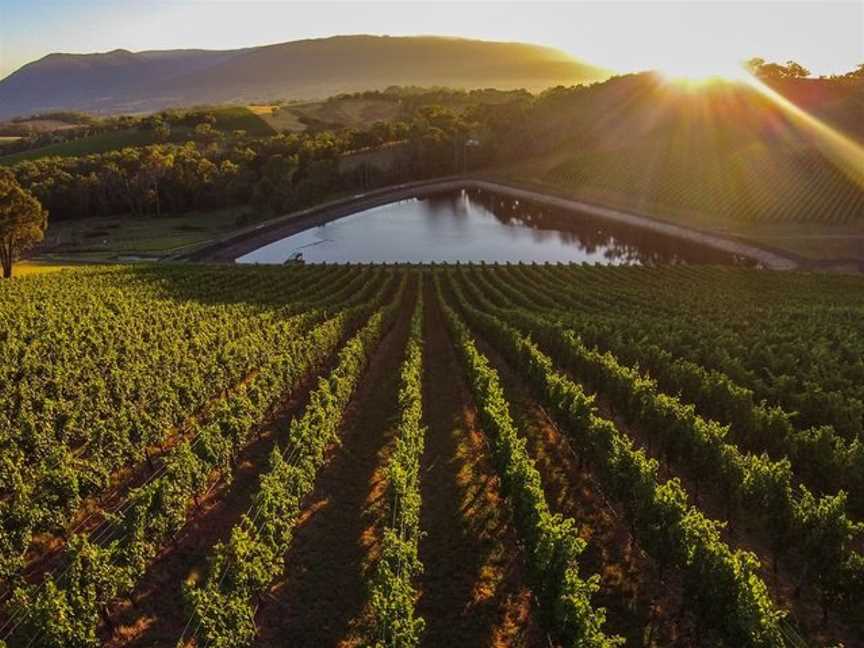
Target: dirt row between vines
(639, 607)
(156, 613)
(743, 530)
(47, 549)
(320, 599)
(474, 588)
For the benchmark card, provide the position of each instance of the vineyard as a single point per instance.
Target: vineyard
(468, 455)
(729, 156)
(754, 185)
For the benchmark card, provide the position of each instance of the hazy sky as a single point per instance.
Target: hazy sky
(824, 36)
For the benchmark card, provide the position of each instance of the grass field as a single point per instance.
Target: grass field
(28, 268)
(100, 143)
(228, 120)
(476, 446)
(42, 125)
(234, 118)
(342, 113)
(280, 118)
(107, 238)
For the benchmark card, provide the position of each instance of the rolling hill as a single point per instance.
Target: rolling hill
(784, 172)
(123, 81)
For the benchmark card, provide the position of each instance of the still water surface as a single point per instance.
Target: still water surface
(474, 225)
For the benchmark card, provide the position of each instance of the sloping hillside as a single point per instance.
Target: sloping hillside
(730, 158)
(122, 81)
(97, 82)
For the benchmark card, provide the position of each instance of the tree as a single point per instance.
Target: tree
(155, 165)
(151, 123)
(857, 73)
(205, 133)
(22, 220)
(796, 71)
(162, 132)
(774, 71)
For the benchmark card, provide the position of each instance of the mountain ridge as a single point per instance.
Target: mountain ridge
(126, 81)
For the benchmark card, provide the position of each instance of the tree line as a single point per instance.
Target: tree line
(273, 174)
(270, 175)
(769, 71)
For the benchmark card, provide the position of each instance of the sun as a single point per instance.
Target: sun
(694, 71)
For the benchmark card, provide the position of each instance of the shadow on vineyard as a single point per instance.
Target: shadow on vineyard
(328, 561)
(154, 613)
(473, 587)
(514, 454)
(188, 283)
(639, 604)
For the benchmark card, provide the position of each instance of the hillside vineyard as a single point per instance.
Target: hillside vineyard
(464, 455)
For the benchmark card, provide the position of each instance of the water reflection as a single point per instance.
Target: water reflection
(474, 225)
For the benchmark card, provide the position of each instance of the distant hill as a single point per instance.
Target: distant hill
(123, 81)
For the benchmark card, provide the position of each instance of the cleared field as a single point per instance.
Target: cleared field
(334, 113)
(41, 125)
(84, 146)
(108, 238)
(228, 120)
(471, 455)
(234, 118)
(26, 268)
(280, 118)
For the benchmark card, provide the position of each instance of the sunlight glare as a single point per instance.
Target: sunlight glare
(846, 154)
(699, 71)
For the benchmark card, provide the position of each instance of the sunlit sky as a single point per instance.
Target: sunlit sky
(696, 36)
